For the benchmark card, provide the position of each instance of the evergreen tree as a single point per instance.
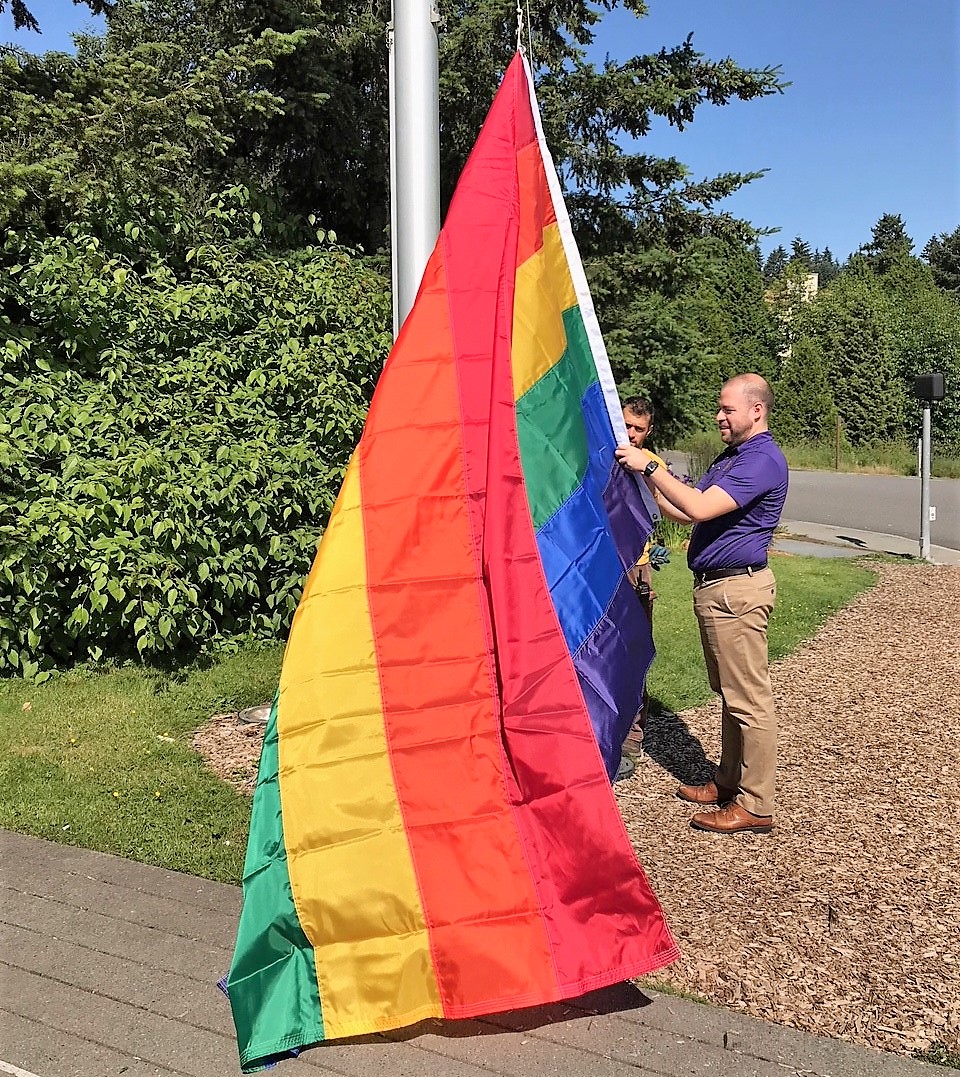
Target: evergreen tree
(825, 267)
(804, 410)
(775, 264)
(801, 254)
(925, 326)
(290, 96)
(646, 300)
(745, 336)
(888, 245)
(185, 98)
(318, 138)
(851, 323)
(677, 324)
(943, 254)
(126, 134)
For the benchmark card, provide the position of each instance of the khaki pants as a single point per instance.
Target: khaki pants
(733, 615)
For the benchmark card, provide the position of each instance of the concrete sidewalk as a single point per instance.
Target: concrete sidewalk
(110, 967)
(825, 540)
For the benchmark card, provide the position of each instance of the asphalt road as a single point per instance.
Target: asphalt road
(886, 504)
(883, 504)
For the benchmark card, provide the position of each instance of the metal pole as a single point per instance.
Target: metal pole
(415, 147)
(925, 486)
(392, 96)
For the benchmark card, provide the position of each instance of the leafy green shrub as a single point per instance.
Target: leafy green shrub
(671, 534)
(885, 458)
(172, 437)
(701, 450)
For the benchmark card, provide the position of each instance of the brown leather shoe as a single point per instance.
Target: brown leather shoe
(708, 793)
(732, 819)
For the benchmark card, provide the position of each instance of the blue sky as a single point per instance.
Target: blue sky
(869, 125)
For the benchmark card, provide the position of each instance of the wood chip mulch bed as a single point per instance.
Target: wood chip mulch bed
(846, 920)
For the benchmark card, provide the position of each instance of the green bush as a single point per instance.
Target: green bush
(701, 450)
(884, 458)
(172, 436)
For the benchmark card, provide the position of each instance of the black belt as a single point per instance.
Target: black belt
(711, 574)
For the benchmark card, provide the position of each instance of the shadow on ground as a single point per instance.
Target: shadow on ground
(670, 744)
(616, 999)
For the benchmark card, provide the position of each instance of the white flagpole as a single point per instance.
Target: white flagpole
(414, 148)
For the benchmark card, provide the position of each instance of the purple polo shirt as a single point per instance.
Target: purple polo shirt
(755, 475)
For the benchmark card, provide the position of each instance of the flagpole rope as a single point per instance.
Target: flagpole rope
(529, 36)
(519, 26)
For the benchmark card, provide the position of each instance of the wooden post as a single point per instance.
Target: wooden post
(836, 448)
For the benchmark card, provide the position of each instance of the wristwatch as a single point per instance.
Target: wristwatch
(650, 469)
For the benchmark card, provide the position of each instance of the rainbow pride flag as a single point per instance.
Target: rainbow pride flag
(434, 832)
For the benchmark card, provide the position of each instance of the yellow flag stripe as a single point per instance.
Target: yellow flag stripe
(350, 865)
(544, 291)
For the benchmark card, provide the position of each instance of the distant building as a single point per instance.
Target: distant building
(782, 296)
(811, 285)
(786, 287)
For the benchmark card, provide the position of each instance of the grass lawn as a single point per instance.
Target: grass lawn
(890, 458)
(102, 759)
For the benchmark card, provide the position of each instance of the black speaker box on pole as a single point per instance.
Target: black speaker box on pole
(929, 387)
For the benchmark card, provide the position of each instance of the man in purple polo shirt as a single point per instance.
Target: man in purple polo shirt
(735, 509)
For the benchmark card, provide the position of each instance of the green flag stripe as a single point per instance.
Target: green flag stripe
(553, 444)
(273, 978)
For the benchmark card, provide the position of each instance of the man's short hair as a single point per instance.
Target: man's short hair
(755, 390)
(760, 392)
(639, 406)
